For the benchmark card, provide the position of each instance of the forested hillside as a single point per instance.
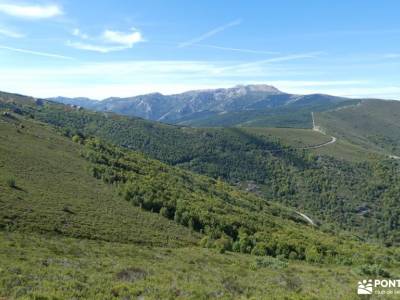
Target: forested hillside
(355, 196)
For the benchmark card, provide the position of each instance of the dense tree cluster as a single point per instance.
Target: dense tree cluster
(230, 220)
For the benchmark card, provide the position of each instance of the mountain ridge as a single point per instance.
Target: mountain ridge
(186, 108)
(254, 87)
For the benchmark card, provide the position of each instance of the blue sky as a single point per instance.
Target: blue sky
(122, 48)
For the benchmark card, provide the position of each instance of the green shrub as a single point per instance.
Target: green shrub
(313, 255)
(165, 212)
(260, 249)
(77, 139)
(206, 242)
(11, 182)
(245, 243)
(131, 274)
(268, 262)
(293, 255)
(224, 243)
(236, 246)
(372, 270)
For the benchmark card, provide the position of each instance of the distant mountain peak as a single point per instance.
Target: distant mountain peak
(265, 88)
(239, 89)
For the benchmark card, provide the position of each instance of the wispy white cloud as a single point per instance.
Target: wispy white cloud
(30, 11)
(237, 49)
(94, 47)
(209, 34)
(38, 53)
(109, 40)
(289, 57)
(175, 70)
(259, 63)
(127, 39)
(11, 33)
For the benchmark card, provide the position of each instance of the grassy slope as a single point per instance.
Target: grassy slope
(345, 150)
(66, 268)
(372, 125)
(276, 117)
(299, 138)
(56, 194)
(296, 138)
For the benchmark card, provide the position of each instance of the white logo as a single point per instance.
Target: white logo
(365, 287)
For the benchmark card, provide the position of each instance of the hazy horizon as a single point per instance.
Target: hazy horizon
(206, 89)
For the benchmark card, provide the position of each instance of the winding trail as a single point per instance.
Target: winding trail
(310, 147)
(320, 130)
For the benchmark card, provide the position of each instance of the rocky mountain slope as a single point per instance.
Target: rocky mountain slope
(214, 105)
